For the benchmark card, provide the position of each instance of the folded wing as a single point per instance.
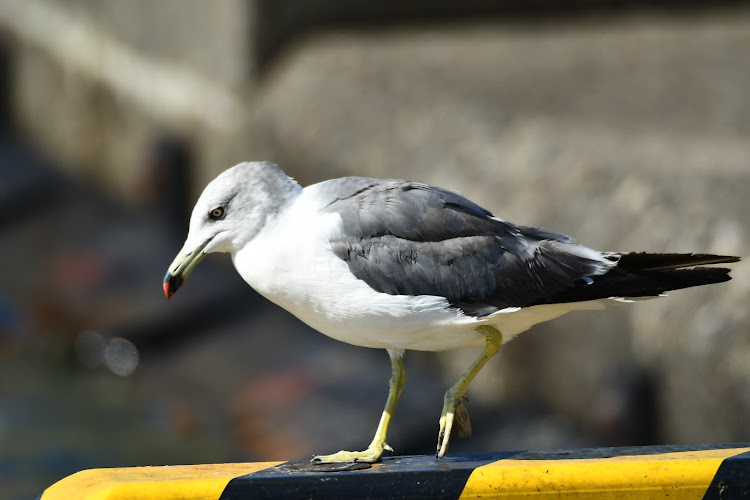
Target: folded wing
(412, 239)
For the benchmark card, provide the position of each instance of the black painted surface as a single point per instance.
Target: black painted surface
(408, 477)
(732, 480)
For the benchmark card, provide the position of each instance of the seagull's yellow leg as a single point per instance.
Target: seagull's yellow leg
(454, 396)
(378, 444)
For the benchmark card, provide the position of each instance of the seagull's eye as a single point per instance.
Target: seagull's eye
(216, 214)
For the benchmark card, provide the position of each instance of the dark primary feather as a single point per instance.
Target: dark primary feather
(649, 275)
(408, 238)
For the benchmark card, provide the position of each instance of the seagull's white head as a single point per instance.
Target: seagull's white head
(232, 210)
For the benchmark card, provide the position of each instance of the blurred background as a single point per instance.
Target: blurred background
(624, 124)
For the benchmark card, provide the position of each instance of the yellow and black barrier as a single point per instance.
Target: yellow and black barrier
(674, 472)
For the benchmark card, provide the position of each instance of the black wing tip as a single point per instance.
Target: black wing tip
(712, 274)
(644, 261)
(659, 273)
(694, 276)
(649, 275)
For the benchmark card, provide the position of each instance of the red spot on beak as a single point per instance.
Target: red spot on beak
(172, 284)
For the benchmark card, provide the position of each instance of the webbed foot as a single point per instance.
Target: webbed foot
(371, 455)
(454, 422)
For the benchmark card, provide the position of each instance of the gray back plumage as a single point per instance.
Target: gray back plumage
(409, 238)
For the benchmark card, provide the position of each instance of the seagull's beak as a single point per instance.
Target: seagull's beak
(181, 268)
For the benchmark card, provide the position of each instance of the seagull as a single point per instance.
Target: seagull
(401, 265)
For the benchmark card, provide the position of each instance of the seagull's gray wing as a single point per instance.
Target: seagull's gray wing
(409, 238)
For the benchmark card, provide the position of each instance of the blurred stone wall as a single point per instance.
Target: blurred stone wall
(95, 81)
(628, 130)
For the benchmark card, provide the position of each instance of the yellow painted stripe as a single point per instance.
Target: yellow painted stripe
(682, 475)
(182, 482)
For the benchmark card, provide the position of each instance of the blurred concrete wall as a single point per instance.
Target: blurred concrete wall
(628, 130)
(94, 80)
